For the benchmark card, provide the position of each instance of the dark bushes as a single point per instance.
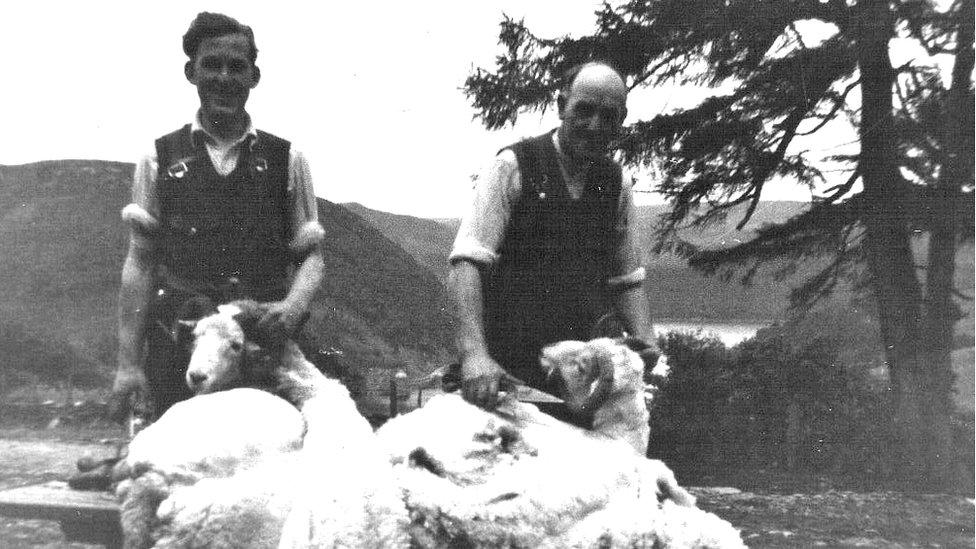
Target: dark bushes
(776, 403)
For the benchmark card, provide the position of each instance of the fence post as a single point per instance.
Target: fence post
(396, 376)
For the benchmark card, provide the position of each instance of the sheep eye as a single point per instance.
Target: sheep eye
(235, 346)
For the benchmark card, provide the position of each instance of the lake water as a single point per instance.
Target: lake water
(730, 333)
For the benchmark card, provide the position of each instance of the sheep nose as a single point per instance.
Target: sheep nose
(197, 379)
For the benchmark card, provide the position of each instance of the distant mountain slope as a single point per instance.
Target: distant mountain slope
(376, 300)
(679, 292)
(62, 243)
(427, 240)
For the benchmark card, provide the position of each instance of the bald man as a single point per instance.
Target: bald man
(547, 247)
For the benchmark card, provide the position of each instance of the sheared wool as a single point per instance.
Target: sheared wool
(517, 477)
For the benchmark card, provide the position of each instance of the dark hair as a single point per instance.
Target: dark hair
(568, 76)
(211, 25)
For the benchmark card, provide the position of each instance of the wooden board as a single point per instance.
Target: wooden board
(91, 517)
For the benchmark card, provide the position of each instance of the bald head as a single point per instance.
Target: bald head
(592, 106)
(591, 74)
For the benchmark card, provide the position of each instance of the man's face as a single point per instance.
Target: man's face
(224, 75)
(592, 114)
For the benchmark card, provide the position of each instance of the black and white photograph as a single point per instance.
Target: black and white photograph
(499, 274)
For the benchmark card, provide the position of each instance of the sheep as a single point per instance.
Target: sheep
(299, 493)
(214, 436)
(517, 477)
(230, 350)
(604, 377)
(446, 474)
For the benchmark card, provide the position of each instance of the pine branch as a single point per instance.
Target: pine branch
(760, 176)
(838, 104)
(844, 188)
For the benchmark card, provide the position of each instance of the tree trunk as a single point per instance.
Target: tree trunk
(940, 313)
(887, 241)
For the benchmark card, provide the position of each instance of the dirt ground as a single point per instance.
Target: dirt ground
(824, 519)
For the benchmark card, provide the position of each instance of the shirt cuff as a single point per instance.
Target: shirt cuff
(306, 238)
(472, 250)
(140, 220)
(628, 280)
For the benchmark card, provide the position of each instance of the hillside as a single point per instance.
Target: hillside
(63, 243)
(427, 240)
(679, 292)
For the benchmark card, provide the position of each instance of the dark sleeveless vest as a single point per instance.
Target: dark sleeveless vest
(221, 230)
(555, 258)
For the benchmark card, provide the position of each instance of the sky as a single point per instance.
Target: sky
(369, 92)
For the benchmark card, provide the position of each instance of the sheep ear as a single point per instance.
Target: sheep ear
(249, 318)
(248, 324)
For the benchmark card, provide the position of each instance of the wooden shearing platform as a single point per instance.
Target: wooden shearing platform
(87, 517)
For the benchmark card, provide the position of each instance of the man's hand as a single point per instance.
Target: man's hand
(283, 319)
(479, 380)
(129, 393)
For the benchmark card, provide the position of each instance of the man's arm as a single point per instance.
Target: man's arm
(135, 291)
(631, 304)
(133, 312)
(308, 276)
(479, 372)
(285, 316)
(627, 287)
(482, 228)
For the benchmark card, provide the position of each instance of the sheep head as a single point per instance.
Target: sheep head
(228, 351)
(585, 368)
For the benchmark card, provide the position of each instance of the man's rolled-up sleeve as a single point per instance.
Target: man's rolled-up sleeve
(627, 271)
(142, 214)
(483, 225)
(307, 232)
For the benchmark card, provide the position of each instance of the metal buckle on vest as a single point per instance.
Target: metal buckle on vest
(260, 165)
(545, 184)
(178, 170)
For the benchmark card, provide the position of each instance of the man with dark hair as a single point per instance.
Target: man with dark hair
(220, 211)
(211, 25)
(548, 245)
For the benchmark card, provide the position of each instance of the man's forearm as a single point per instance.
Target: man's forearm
(134, 295)
(631, 303)
(308, 277)
(464, 282)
